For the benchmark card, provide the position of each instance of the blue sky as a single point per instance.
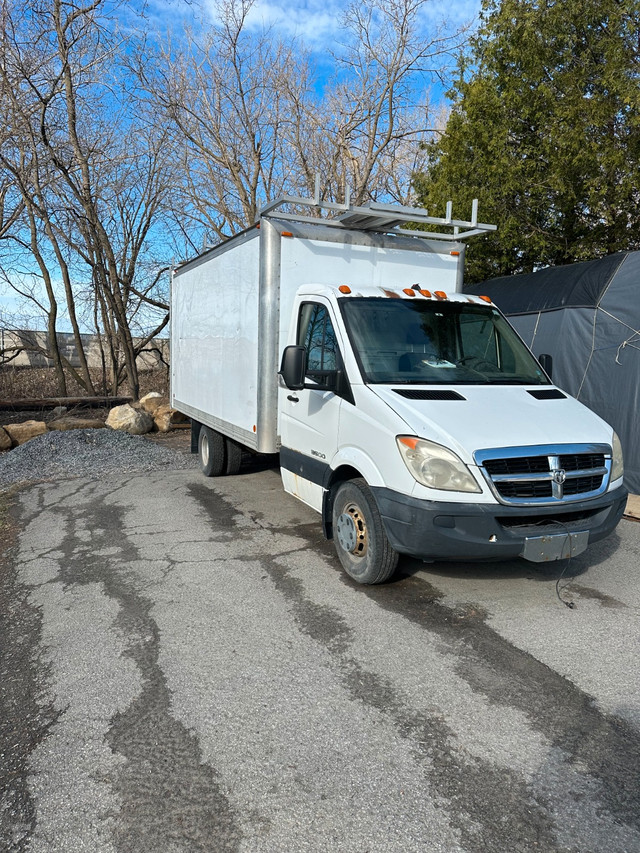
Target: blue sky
(317, 23)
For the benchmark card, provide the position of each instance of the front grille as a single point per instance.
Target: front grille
(546, 474)
(582, 462)
(519, 465)
(542, 523)
(582, 484)
(531, 489)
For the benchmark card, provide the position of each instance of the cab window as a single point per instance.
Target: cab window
(316, 333)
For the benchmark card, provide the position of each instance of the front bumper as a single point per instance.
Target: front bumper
(434, 530)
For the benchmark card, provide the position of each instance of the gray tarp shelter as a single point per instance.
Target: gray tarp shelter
(587, 316)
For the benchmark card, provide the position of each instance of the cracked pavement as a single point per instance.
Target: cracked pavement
(185, 668)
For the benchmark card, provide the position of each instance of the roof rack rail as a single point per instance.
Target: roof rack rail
(374, 216)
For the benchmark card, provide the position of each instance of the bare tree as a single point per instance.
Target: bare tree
(97, 172)
(226, 98)
(377, 109)
(248, 121)
(107, 138)
(22, 263)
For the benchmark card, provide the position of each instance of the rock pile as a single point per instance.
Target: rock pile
(128, 419)
(94, 453)
(151, 413)
(15, 434)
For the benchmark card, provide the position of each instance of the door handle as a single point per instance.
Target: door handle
(293, 398)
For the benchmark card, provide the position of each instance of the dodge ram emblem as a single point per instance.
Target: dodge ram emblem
(559, 476)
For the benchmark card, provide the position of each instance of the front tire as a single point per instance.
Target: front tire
(211, 450)
(358, 535)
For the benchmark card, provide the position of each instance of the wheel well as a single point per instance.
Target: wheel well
(340, 475)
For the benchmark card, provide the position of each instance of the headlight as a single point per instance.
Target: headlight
(435, 466)
(617, 465)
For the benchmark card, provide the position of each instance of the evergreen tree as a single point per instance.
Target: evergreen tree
(545, 132)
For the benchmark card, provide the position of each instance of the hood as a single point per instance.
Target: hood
(495, 416)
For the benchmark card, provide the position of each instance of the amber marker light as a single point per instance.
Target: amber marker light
(426, 293)
(409, 291)
(440, 294)
(486, 298)
(287, 234)
(344, 288)
(455, 254)
(408, 441)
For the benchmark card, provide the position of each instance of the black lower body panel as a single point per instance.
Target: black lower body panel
(434, 530)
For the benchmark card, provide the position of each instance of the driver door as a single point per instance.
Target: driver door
(310, 418)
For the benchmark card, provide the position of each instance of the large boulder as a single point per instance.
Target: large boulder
(5, 439)
(69, 422)
(151, 401)
(128, 419)
(21, 433)
(166, 418)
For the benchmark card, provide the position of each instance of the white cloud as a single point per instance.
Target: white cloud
(315, 22)
(318, 22)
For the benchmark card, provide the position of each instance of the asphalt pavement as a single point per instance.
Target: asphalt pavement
(186, 668)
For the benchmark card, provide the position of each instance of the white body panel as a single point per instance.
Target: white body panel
(309, 260)
(214, 340)
(490, 417)
(217, 365)
(308, 265)
(497, 416)
(309, 493)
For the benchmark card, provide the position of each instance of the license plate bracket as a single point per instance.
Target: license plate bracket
(554, 546)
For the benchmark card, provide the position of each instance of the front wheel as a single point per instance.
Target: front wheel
(358, 535)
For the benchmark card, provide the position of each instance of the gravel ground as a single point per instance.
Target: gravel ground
(87, 453)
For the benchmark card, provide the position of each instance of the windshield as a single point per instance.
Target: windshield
(424, 342)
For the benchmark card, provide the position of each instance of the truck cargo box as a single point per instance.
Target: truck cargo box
(231, 307)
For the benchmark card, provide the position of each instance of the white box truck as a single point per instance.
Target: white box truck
(409, 415)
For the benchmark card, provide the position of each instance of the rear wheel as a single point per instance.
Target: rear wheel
(358, 535)
(211, 450)
(234, 456)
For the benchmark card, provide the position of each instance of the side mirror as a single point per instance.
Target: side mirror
(292, 368)
(546, 363)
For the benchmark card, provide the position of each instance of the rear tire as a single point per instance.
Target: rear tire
(211, 450)
(234, 456)
(358, 535)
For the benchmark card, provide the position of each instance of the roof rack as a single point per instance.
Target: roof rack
(386, 218)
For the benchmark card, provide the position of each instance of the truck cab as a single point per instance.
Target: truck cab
(419, 423)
